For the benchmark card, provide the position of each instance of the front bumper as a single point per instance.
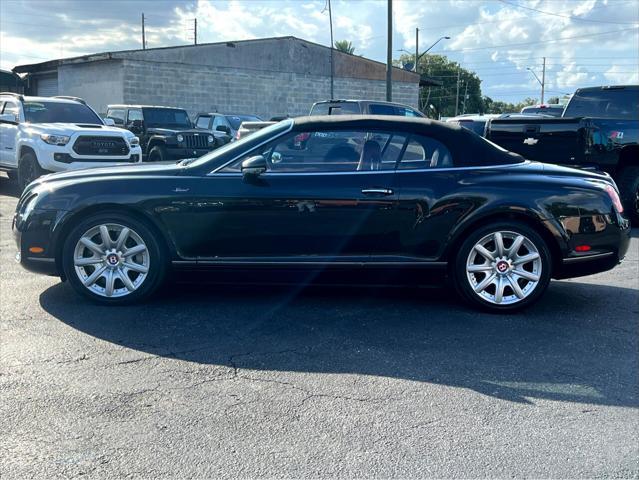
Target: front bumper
(54, 158)
(180, 153)
(35, 233)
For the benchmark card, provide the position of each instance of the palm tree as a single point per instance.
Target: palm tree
(345, 46)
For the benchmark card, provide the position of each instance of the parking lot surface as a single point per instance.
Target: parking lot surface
(213, 381)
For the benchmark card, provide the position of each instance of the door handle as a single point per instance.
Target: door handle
(377, 191)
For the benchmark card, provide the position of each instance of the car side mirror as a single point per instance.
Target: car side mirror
(223, 128)
(254, 166)
(9, 118)
(109, 122)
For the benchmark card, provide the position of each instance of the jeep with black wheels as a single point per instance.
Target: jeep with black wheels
(41, 135)
(166, 133)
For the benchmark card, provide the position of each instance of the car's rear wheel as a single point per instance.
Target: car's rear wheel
(29, 170)
(113, 259)
(503, 267)
(158, 154)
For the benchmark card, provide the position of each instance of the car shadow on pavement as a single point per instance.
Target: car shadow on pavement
(578, 344)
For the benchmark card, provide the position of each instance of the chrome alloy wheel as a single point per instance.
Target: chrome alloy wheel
(111, 260)
(504, 268)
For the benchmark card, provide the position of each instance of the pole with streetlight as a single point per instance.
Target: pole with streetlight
(542, 82)
(418, 55)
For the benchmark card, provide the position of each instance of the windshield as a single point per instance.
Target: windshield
(59, 112)
(620, 103)
(548, 111)
(236, 120)
(263, 134)
(166, 117)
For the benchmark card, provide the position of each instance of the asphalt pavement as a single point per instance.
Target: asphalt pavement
(215, 381)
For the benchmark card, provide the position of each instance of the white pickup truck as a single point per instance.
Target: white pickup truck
(39, 135)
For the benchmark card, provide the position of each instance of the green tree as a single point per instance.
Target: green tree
(440, 101)
(345, 46)
(492, 106)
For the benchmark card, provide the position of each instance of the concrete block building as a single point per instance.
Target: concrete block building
(267, 77)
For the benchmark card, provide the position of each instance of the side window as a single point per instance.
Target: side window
(135, 114)
(424, 152)
(117, 115)
(202, 122)
(218, 121)
(12, 108)
(407, 112)
(329, 151)
(380, 109)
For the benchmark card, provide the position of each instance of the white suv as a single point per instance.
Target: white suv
(39, 135)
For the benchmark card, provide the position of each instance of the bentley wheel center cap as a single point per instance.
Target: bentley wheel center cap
(502, 266)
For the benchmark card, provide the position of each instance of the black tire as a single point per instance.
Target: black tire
(463, 283)
(157, 266)
(628, 183)
(157, 154)
(28, 170)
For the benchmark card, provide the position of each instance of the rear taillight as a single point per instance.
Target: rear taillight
(614, 196)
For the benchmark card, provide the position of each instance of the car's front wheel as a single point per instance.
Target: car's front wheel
(503, 267)
(113, 259)
(29, 170)
(158, 154)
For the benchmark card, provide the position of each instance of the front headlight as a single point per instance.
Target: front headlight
(134, 141)
(180, 138)
(211, 138)
(55, 139)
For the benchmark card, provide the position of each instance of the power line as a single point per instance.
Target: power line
(590, 35)
(563, 16)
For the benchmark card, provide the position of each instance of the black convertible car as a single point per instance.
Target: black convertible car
(406, 197)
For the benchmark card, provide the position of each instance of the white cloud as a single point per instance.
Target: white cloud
(473, 26)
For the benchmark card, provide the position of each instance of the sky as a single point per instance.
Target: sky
(585, 42)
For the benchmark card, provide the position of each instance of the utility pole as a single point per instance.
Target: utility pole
(195, 31)
(543, 80)
(457, 95)
(143, 38)
(416, 47)
(389, 54)
(465, 97)
(330, 20)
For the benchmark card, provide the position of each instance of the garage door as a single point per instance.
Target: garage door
(47, 86)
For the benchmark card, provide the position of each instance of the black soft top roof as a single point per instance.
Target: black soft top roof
(467, 148)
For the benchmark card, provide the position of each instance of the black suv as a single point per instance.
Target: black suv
(165, 133)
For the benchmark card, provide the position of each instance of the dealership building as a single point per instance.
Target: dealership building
(267, 77)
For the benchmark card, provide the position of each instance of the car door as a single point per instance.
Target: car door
(327, 198)
(8, 133)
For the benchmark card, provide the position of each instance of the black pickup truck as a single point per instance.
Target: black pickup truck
(599, 129)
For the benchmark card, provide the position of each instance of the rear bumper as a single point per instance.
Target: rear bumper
(608, 239)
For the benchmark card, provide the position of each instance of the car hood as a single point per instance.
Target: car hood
(137, 170)
(72, 128)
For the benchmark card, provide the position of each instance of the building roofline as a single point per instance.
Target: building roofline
(49, 64)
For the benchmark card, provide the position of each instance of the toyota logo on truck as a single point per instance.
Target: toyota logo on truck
(102, 146)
